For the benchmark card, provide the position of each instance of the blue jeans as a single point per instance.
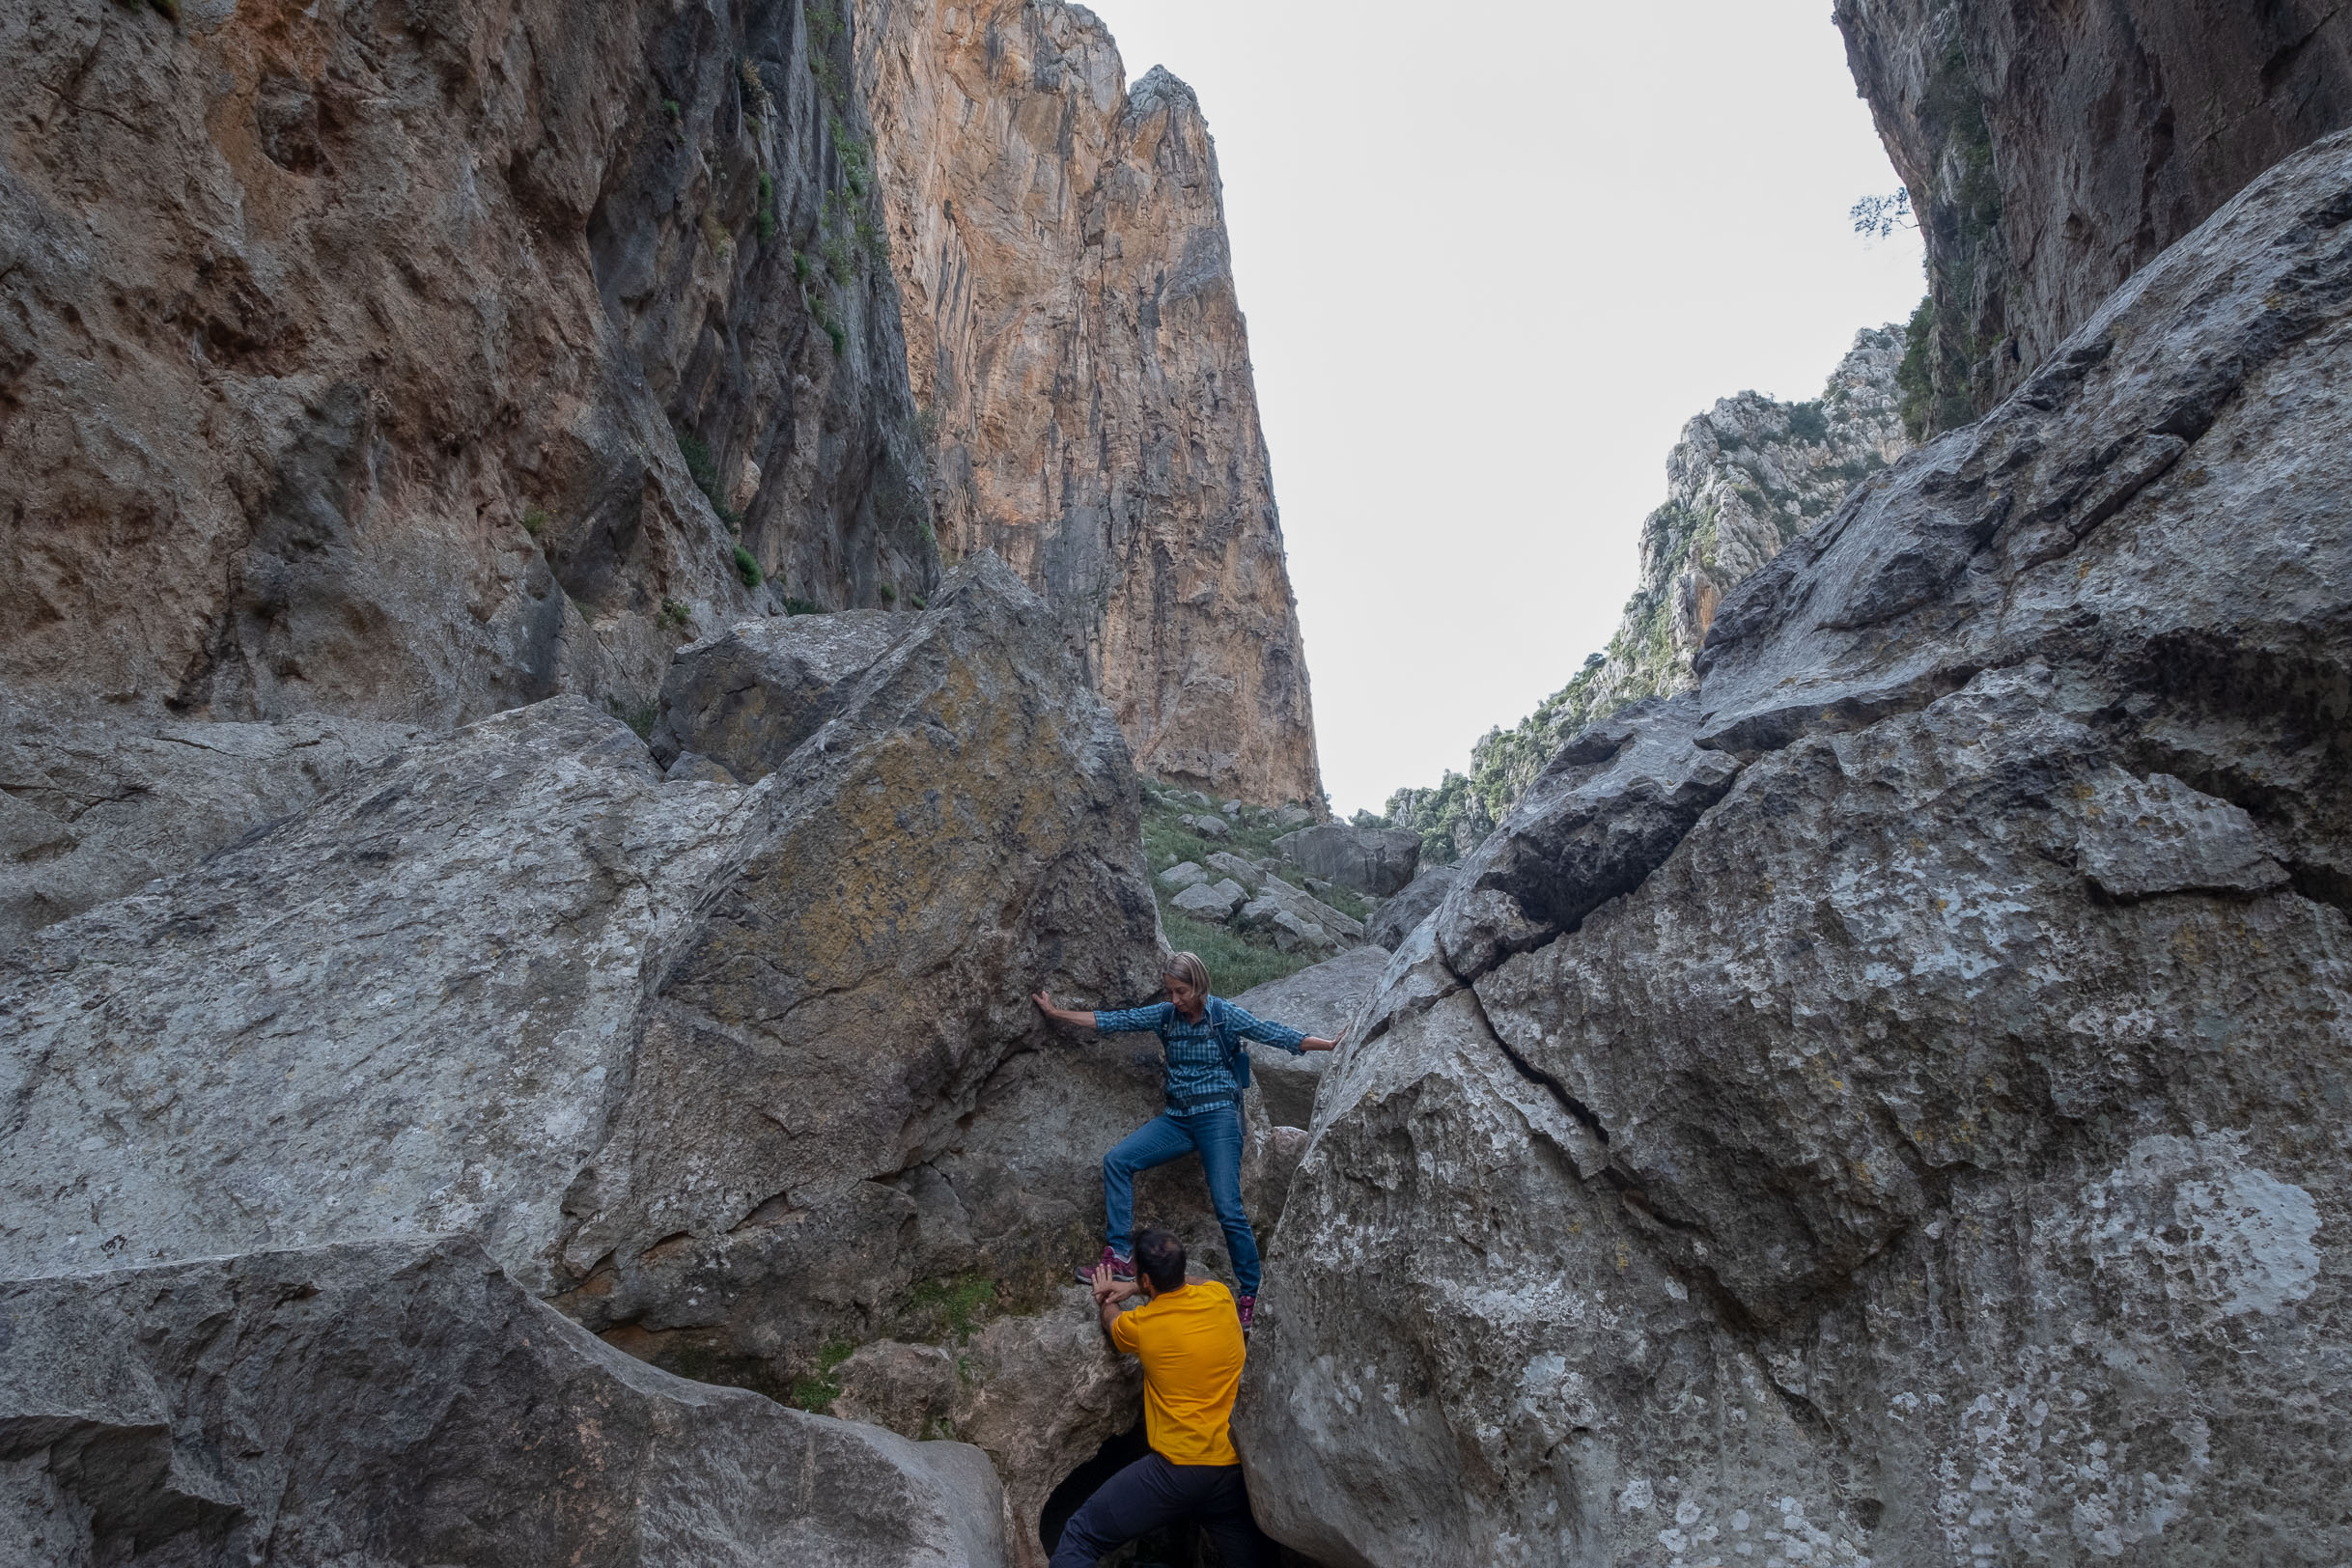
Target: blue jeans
(1217, 1134)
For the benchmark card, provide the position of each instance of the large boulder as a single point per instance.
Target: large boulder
(1374, 860)
(90, 808)
(1320, 999)
(1414, 902)
(747, 699)
(1879, 1105)
(405, 1402)
(725, 1073)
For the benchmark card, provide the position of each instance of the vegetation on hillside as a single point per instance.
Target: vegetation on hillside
(1236, 960)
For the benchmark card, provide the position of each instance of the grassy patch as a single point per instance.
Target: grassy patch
(638, 713)
(674, 613)
(1236, 962)
(802, 607)
(953, 1308)
(703, 469)
(768, 207)
(533, 521)
(747, 568)
(817, 1392)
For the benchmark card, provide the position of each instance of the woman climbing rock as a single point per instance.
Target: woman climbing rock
(1208, 1067)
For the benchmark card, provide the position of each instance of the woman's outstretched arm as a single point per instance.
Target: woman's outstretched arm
(1062, 1015)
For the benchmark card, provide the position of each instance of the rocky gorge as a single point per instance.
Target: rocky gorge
(513, 1029)
(1747, 477)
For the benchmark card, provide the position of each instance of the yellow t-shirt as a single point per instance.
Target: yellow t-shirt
(1191, 1343)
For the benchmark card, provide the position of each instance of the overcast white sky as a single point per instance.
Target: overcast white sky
(1492, 258)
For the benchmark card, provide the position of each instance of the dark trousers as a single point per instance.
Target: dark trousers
(1150, 1493)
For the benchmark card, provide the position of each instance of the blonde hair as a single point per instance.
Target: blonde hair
(1188, 967)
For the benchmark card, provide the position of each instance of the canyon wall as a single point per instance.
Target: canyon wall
(2053, 150)
(1883, 1105)
(1747, 477)
(1073, 341)
(410, 362)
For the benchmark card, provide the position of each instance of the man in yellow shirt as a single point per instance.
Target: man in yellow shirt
(1190, 1340)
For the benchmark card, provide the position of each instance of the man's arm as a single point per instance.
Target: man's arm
(1108, 1293)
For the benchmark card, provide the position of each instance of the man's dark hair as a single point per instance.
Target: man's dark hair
(1160, 1257)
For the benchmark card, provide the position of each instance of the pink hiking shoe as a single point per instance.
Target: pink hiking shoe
(1122, 1269)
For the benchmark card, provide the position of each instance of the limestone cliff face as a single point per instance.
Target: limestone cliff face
(1746, 478)
(2051, 149)
(404, 362)
(1074, 343)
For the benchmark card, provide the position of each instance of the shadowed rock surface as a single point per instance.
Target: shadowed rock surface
(1412, 903)
(747, 700)
(2054, 150)
(1374, 860)
(392, 363)
(404, 1402)
(1075, 340)
(1871, 1107)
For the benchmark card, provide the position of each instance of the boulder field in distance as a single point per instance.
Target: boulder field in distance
(1876, 1106)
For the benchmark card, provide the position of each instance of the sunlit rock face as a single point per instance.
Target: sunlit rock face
(2055, 148)
(1073, 341)
(1885, 1103)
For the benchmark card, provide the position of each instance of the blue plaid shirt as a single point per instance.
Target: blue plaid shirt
(1197, 1078)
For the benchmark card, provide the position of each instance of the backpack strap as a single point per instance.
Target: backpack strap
(1237, 1055)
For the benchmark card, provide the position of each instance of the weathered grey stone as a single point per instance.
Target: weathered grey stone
(747, 699)
(1311, 908)
(1207, 827)
(1320, 999)
(693, 767)
(1374, 860)
(1177, 877)
(1210, 901)
(719, 1070)
(92, 808)
(405, 1402)
(1248, 871)
(1284, 925)
(909, 1388)
(2159, 836)
(1293, 817)
(1412, 903)
(1785, 1134)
